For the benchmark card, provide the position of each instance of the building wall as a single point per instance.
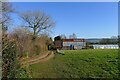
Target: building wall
(58, 44)
(77, 45)
(66, 43)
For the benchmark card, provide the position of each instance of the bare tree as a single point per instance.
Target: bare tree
(114, 37)
(73, 36)
(6, 10)
(63, 36)
(37, 20)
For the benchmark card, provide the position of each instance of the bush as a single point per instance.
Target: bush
(10, 62)
(23, 40)
(26, 44)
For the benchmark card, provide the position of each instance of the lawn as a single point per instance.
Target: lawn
(99, 63)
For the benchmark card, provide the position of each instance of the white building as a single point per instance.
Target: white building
(105, 46)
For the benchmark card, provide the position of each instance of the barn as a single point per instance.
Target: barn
(68, 44)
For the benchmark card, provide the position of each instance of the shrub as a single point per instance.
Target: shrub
(10, 62)
(23, 40)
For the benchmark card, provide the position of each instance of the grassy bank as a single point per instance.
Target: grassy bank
(79, 64)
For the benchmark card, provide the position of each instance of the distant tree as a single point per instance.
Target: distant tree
(73, 36)
(57, 38)
(114, 37)
(63, 36)
(106, 41)
(37, 21)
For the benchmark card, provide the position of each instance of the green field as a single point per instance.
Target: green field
(79, 64)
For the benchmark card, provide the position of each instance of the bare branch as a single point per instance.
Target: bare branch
(37, 20)
(6, 10)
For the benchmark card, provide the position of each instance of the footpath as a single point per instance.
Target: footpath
(44, 57)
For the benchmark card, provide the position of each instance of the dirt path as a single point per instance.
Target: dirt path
(34, 57)
(42, 58)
